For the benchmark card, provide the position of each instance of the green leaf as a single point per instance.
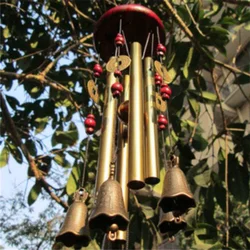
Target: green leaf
(16, 153)
(61, 160)
(72, 183)
(41, 124)
(205, 235)
(199, 143)
(34, 45)
(66, 137)
(203, 180)
(147, 211)
(243, 79)
(4, 157)
(203, 96)
(13, 102)
(194, 107)
(6, 32)
(34, 193)
(213, 11)
(158, 187)
(188, 62)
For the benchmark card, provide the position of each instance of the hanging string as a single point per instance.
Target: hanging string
(85, 163)
(164, 148)
(227, 192)
(146, 45)
(169, 131)
(126, 44)
(152, 45)
(158, 34)
(120, 26)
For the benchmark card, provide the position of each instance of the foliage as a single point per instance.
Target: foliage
(47, 56)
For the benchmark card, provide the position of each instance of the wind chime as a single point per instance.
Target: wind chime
(129, 38)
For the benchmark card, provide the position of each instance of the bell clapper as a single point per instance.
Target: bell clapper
(112, 234)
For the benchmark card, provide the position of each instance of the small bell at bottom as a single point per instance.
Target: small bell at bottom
(171, 223)
(75, 228)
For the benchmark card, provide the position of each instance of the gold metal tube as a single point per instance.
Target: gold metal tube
(122, 161)
(136, 120)
(151, 131)
(107, 134)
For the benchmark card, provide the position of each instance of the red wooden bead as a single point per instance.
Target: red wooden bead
(97, 70)
(161, 49)
(91, 116)
(117, 73)
(162, 122)
(89, 130)
(165, 92)
(90, 124)
(158, 79)
(119, 40)
(116, 89)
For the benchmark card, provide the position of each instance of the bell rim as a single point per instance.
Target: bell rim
(114, 217)
(78, 237)
(168, 208)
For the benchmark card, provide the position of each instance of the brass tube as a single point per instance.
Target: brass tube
(122, 160)
(151, 131)
(136, 120)
(107, 134)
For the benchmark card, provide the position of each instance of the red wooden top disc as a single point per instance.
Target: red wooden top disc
(137, 22)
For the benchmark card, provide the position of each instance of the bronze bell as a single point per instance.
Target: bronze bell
(176, 195)
(75, 228)
(171, 222)
(109, 214)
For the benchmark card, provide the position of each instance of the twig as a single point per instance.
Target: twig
(65, 51)
(80, 13)
(13, 6)
(247, 3)
(226, 155)
(193, 20)
(11, 128)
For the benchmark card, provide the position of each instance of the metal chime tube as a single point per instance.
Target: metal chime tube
(136, 140)
(152, 152)
(122, 162)
(108, 133)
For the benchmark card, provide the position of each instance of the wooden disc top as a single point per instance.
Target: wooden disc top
(137, 22)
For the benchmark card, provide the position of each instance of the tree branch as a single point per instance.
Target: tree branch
(11, 129)
(37, 78)
(239, 2)
(196, 43)
(73, 6)
(226, 156)
(65, 51)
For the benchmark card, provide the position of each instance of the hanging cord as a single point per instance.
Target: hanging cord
(169, 132)
(126, 44)
(164, 149)
(146, 46)
(227, 191)
(169, 129)
(81, 183)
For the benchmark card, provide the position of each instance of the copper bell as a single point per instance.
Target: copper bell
(75, 228)
(109, 215)
(176, 195)
(171, 222)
